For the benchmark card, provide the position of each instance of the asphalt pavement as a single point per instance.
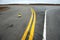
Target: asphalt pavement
(12, 26)
(53, 24)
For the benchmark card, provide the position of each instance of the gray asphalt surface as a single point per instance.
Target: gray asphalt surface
(53, 24)
(12, 27)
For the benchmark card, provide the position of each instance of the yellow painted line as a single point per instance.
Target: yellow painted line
(27, 29)
(33, 25)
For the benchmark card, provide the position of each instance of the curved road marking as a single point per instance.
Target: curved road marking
(32, 21)
(33, 25)
(27, 29)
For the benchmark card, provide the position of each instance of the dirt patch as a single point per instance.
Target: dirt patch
(4, 8)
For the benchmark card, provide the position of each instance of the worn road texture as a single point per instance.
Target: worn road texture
(12, 27)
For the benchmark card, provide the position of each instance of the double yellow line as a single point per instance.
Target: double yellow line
(30, 24)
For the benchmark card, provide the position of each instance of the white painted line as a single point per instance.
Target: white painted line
(44, 31)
